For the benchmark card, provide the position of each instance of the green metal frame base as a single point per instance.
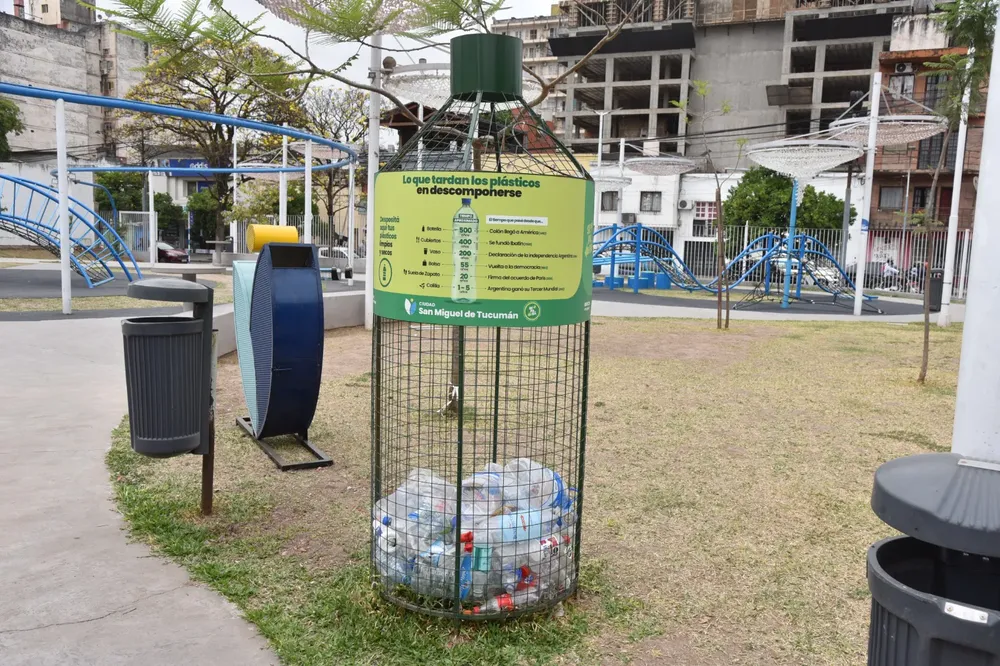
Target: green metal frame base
(321, 459)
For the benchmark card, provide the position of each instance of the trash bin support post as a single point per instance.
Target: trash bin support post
(203, 311)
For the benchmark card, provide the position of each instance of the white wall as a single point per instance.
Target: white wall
(919, 31)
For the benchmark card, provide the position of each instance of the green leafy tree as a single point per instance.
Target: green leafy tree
(762, 198)
(126, 188)
(207, 74)
(206, 210)
(10, 123)
(168, 214)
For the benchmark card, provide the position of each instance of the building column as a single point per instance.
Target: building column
(786, 51)
(817, 93)
(682, 116)
(609, 78)
(654, 94)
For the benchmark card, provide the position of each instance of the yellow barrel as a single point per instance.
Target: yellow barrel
(258, 235)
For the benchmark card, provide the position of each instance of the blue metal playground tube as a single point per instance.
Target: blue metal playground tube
(160, 110)
(789, 244)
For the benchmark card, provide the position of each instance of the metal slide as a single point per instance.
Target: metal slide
(30, 210)
(762, 262)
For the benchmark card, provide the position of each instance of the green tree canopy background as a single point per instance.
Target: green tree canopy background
(763, 198)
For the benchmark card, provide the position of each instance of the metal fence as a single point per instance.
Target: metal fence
(327, 232)
(895, 257)
(133, 227)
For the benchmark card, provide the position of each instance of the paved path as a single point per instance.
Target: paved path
(73, 591)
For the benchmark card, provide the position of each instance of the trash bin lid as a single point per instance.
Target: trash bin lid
(168, 289)
(943, 499)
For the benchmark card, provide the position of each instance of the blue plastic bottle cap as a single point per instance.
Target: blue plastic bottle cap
(466, 202)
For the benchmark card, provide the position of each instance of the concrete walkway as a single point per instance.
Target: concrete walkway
(73, 591)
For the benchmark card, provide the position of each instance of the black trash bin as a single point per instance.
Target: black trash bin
(932, 606)
(168, 370)
(937, 288)
(164, 366)
(936, 592)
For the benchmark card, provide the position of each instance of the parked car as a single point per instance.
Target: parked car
(168, 254)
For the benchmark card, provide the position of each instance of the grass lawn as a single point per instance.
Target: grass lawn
(26, 252)
(727, 515)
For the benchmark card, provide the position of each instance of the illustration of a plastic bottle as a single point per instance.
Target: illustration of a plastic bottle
(465, 249)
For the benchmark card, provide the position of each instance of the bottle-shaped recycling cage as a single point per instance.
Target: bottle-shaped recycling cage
(484, 225)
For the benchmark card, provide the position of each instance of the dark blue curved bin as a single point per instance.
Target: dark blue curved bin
(286, 329)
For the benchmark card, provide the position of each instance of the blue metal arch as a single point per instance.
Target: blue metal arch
(38, 225)
(761, 251)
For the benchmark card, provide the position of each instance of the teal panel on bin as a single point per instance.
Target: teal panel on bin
(243, 273)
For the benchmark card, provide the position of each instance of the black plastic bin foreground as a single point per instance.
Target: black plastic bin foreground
(164, 365)
(932, 606)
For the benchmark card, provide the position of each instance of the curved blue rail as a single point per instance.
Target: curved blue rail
(30, 210)
(760, 261)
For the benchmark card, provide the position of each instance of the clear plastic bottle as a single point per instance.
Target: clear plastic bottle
(465, 251)
(530, 485)
(520, 526)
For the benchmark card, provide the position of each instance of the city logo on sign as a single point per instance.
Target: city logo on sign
(410, 306)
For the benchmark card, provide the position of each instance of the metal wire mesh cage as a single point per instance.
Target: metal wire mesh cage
(480, 352)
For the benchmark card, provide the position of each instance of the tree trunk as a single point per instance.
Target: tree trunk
(720, 260)
(930, 215)
(724, 281)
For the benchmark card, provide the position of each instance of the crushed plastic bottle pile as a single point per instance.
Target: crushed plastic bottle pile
(513, 548)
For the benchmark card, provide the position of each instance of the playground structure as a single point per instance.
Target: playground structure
(30, 210)
(652, 262)
(56, 231)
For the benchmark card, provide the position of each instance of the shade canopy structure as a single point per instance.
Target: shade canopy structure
(610, 182)
(891, 130)
(429, 83)
(803, 159)
(661, 165)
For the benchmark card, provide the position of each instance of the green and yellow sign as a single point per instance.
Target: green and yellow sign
(483, 249)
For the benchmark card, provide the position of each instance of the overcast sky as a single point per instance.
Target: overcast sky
(334, 55)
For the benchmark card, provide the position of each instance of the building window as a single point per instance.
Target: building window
(650, 202)
(609, 200)
(45, 9)
(190, 187)
(705, 210)
(532, 34)
(890, 198)
(921, 195)
(552, 32)
(901, 84)
(591, 14)
(929, 152)
(934, 90)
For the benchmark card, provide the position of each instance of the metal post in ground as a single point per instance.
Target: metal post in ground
(64, 236)
(866, 202)
(374, 118)
(789, 242)
(944, 316)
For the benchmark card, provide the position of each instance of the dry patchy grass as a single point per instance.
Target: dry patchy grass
(223, 294)
(728, 485)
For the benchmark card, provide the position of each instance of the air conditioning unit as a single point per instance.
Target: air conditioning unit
(106, 66)
(628, 218)
(904, 68)
(684, 204)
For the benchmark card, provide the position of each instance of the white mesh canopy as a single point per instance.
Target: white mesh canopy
(665, 165)
(890, 131)
(431, 85)
(611, 182)
(803, 159)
